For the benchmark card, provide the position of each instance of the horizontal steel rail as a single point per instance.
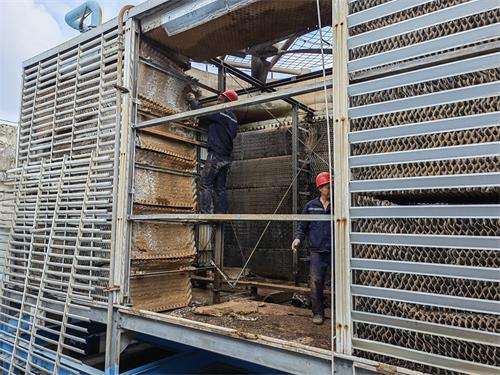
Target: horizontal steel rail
(475, 64)
(416, 23)
(457, 333)
(258, 99)
(429, 154)
(478, 121)
(434, 45)
(429, 299)
(382, 10)
(479, 211)
(427, 100)
(427, 240)
(427, 182)
(448, 363)
(277, 354)
(430, 269)
(228, 217)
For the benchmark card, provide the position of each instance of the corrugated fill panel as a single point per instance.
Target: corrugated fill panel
(163, 182)
(425, 183)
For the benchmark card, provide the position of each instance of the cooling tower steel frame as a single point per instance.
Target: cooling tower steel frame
(275, 353)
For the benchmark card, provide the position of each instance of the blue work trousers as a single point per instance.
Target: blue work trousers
(213, 184)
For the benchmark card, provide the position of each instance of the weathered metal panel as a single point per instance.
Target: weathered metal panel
(424, 163)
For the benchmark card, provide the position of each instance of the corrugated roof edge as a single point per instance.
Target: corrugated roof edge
(134, 12)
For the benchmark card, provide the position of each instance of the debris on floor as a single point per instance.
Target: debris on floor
(253, 319)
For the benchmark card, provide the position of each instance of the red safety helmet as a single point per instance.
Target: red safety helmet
(323, 178)
(231, 95)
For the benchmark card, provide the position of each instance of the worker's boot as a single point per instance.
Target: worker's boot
(318, 319)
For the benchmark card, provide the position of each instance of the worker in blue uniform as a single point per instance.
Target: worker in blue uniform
(222, 129)
(319, 238)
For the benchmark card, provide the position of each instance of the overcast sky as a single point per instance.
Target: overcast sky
(29, 27)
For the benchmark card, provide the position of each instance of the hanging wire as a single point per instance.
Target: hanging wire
(274, 213)
(235, 282)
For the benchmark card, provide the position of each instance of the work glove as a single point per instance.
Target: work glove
(295, 244)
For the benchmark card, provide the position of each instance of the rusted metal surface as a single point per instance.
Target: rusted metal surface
(235, 30)
(163, 181)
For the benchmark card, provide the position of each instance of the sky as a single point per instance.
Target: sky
(29, 27)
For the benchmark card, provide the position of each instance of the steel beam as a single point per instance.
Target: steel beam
(341, 194)
(228, 217)
(220, 64)
(264, 98)
(219, 262)
(295, 184)
(278, 83)
(273, 353)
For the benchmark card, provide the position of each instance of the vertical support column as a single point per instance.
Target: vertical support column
(343, 300)
(295, 184)
(218, 260)
(120, 234)
(221, 79)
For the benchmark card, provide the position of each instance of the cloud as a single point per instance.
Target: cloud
(30, 27)
(26, 29)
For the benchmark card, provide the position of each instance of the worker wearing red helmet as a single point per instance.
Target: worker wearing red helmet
(319, 241)
(222, 129)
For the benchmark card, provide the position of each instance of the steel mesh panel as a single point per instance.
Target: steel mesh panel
(256, 173)
(259, 180)
(58, 255)
(69, 101)
(262, 144)
(259, 200)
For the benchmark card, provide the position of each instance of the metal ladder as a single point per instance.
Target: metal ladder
(16, 343)
(70, 297)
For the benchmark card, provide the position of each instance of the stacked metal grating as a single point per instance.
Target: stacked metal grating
(58, 250)
(424, 119)
(260, 182)
(163, 182)
(8, 138)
